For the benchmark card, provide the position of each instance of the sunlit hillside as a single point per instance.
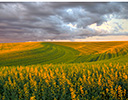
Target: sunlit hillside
(96, 47)
(14, 47)
(64, 71)
(30, 53)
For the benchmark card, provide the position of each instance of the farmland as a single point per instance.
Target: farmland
(14, 54)
(64, 71)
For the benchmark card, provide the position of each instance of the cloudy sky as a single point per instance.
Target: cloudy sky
(41, 21)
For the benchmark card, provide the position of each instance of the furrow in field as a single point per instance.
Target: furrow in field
(49, 53)
(95, 51)
(68, 52)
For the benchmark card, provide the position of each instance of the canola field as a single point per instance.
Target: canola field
(64, 71)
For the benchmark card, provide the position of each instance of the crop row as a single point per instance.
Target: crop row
(49, 53)
(46, 53)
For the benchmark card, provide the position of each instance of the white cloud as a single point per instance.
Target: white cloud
(72, 26)
(69, 10)
(116, 26)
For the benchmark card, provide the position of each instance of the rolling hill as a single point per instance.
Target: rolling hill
(64, 71)
(29, 53)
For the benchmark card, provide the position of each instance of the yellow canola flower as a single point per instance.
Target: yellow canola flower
(124, 92)
(125, 76)
(81, 89)
(107, 90)
(73, 95)
(32, 98)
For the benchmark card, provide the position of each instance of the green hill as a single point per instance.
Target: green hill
(14, 54)
(64, 71)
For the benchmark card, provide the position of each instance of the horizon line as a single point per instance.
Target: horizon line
(69, 41)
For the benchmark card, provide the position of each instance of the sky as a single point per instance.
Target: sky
(63, 21)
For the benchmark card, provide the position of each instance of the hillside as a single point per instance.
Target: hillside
(29, 53)
(64, 71)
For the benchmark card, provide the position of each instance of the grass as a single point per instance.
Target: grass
(64, 71)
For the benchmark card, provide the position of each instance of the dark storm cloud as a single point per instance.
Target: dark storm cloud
(49, 20)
